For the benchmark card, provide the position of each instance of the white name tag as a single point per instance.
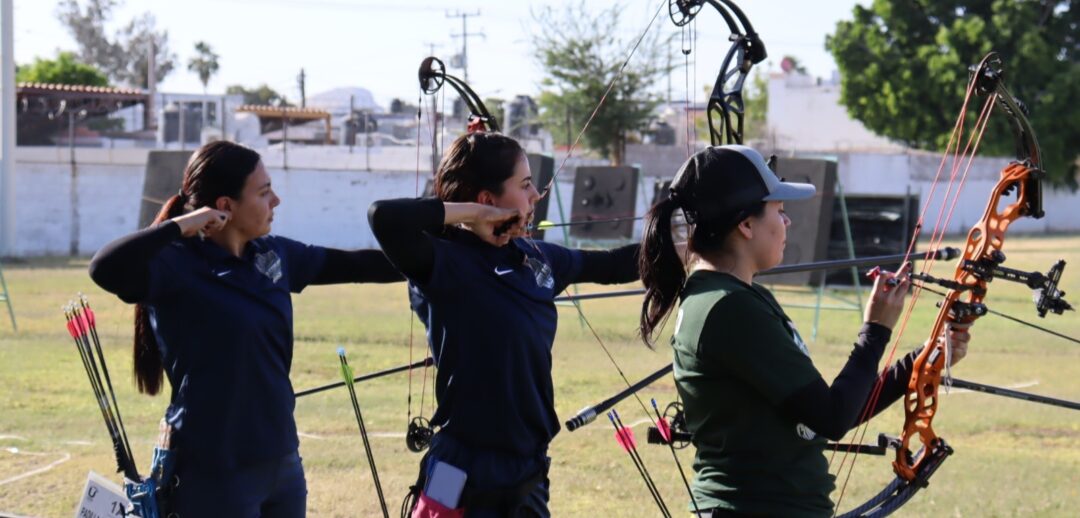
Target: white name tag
(101, 498)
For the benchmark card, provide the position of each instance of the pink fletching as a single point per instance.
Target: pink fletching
(665, 429)
(80, 324)
(71, 329)
(90, 316)
(625, 437)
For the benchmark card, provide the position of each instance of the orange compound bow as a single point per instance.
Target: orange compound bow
(979, 265)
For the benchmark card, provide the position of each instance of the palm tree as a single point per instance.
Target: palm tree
(205, 63)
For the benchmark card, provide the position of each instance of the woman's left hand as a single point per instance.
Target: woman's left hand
(956, 337)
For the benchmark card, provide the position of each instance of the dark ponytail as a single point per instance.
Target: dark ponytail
(217, 169)
(662, 271)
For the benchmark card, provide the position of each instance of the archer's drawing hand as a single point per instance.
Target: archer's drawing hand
(203, 219)
(887, 298)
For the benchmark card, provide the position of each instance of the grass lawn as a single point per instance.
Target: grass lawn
(1012, 458)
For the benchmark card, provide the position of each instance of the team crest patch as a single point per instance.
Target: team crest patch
(805, 432)
(269, 264)
(798, 339)
(541, 272)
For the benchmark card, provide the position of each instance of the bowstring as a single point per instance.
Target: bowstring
(603, 98)
(937, 236)
(554, 177)
(416, 193)
(954, 137)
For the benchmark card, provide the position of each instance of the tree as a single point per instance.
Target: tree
(124, 56)
(205, 63)
(65, 70)
(581, 54)
(904, 69)
(261, 95)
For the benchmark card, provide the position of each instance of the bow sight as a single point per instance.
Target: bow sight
(1047, 296)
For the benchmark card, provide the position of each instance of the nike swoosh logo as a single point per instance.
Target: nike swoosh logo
(224, 273)
(502, 272)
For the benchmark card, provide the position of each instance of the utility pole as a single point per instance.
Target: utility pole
(431, 47)
(465, 37)
(7, 130)
(301, 79)
(149, 112)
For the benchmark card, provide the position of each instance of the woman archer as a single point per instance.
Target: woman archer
(758, 409)
(214, 314)
(486, 299)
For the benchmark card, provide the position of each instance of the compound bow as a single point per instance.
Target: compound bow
(963, 303)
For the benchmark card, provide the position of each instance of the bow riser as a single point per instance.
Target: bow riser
(963, 306)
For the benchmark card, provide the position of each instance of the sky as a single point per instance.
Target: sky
(378, 45)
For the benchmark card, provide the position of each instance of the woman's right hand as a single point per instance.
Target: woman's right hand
(484, 219)
(491, 218)
(204, 219)
(887, 298)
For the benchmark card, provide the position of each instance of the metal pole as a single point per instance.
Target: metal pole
(7, 128)
(224, 120)
(588, 414)
(944, 254)
(426, 362)
(73, 249)
(182, 129)
(1015, 394)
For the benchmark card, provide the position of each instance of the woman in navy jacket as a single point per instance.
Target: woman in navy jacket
(487, 303)
(214, 314)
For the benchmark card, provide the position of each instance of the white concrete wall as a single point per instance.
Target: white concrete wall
(326, 203)
(804, 115)
(320, 206)
(896, 174)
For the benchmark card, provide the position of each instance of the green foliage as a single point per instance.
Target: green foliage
(904, 69)
(260, 95)
(124, 55)
(205, 63)
(580, 53)
(65, 70)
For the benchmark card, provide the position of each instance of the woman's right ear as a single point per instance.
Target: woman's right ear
(485, 198)
(746, 228)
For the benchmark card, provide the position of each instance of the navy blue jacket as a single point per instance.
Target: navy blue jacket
(224, 328)
(490, 319)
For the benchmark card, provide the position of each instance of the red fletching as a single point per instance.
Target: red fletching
(90, 316)
(80, 324)
(665, 429)
(625, 437)
(71, 329)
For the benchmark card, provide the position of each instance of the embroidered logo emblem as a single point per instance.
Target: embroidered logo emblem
(798, 339)
(502, 272)
(541, 272)
(805, 432)
(269, 264)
